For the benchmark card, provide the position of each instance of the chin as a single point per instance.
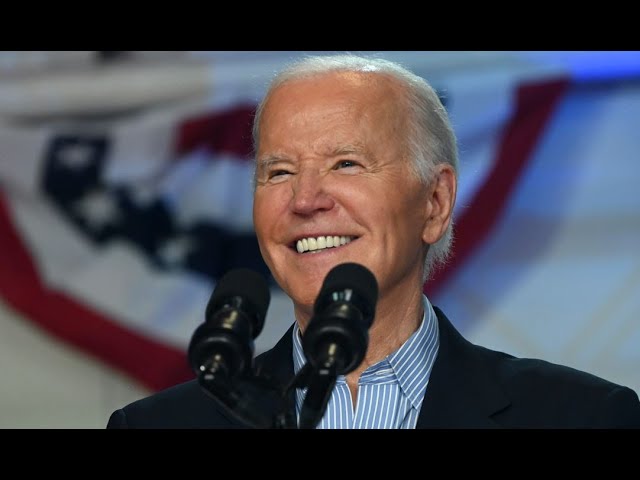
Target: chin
(302, 292)
(307, 297)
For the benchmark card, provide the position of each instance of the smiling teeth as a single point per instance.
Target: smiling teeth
(321, 243)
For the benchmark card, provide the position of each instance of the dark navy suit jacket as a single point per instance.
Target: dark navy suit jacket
(470, 387)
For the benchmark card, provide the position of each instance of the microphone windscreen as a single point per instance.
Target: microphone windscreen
(353, 276)
(245, 283)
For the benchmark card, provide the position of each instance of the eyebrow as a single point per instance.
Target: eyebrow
(269, 160)
(347, 150)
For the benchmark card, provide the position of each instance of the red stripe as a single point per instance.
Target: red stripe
(535, 104)
(153, 364)
(220, 132)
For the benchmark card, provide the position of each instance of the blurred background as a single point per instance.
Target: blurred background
(125, 193)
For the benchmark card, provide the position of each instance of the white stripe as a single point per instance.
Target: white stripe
(22, 154)
(390, 406)
(417, 372)
(199, 189)
(358, 417)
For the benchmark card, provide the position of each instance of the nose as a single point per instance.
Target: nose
(310, 194)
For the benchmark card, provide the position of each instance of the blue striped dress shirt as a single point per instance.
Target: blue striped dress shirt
(390, 392)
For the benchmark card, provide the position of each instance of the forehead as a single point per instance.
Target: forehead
(355, 100)
(355, 88)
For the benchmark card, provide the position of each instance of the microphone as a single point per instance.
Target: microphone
(222, 347)
(336, 339)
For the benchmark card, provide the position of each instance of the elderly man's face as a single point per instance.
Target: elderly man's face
(332, 167)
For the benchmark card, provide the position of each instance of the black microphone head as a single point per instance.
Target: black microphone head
(336, 340)
(248, 285)
(337, 335)
(222, 347)
(355, 277)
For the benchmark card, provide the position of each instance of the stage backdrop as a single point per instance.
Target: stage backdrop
(125, 193)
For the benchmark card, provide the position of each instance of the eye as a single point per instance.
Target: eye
(277, 173)
(345, 164)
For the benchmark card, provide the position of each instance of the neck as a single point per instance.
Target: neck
(398, 316)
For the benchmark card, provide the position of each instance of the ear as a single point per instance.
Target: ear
(440, 202)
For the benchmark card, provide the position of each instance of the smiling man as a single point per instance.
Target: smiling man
(356, 161)
(336, 183)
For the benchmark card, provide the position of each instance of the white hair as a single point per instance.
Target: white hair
(430, 140)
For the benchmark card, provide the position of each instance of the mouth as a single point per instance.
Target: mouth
(309, 245)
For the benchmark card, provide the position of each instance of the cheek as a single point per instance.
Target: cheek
(265, 206)
(261, 224)
(269, 211)
(258, 221)
(402, 220)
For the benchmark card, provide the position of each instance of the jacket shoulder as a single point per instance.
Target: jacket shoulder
(182, 406)
(561, 396)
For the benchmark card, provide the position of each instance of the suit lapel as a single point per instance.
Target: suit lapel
(462, 390)
(276, 364)
(276, 367)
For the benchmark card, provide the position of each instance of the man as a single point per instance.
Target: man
(356, 162)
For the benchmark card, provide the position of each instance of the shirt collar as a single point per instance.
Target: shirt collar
(413, 361)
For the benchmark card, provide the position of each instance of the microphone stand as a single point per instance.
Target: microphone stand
(238, 397)
(320, 381)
